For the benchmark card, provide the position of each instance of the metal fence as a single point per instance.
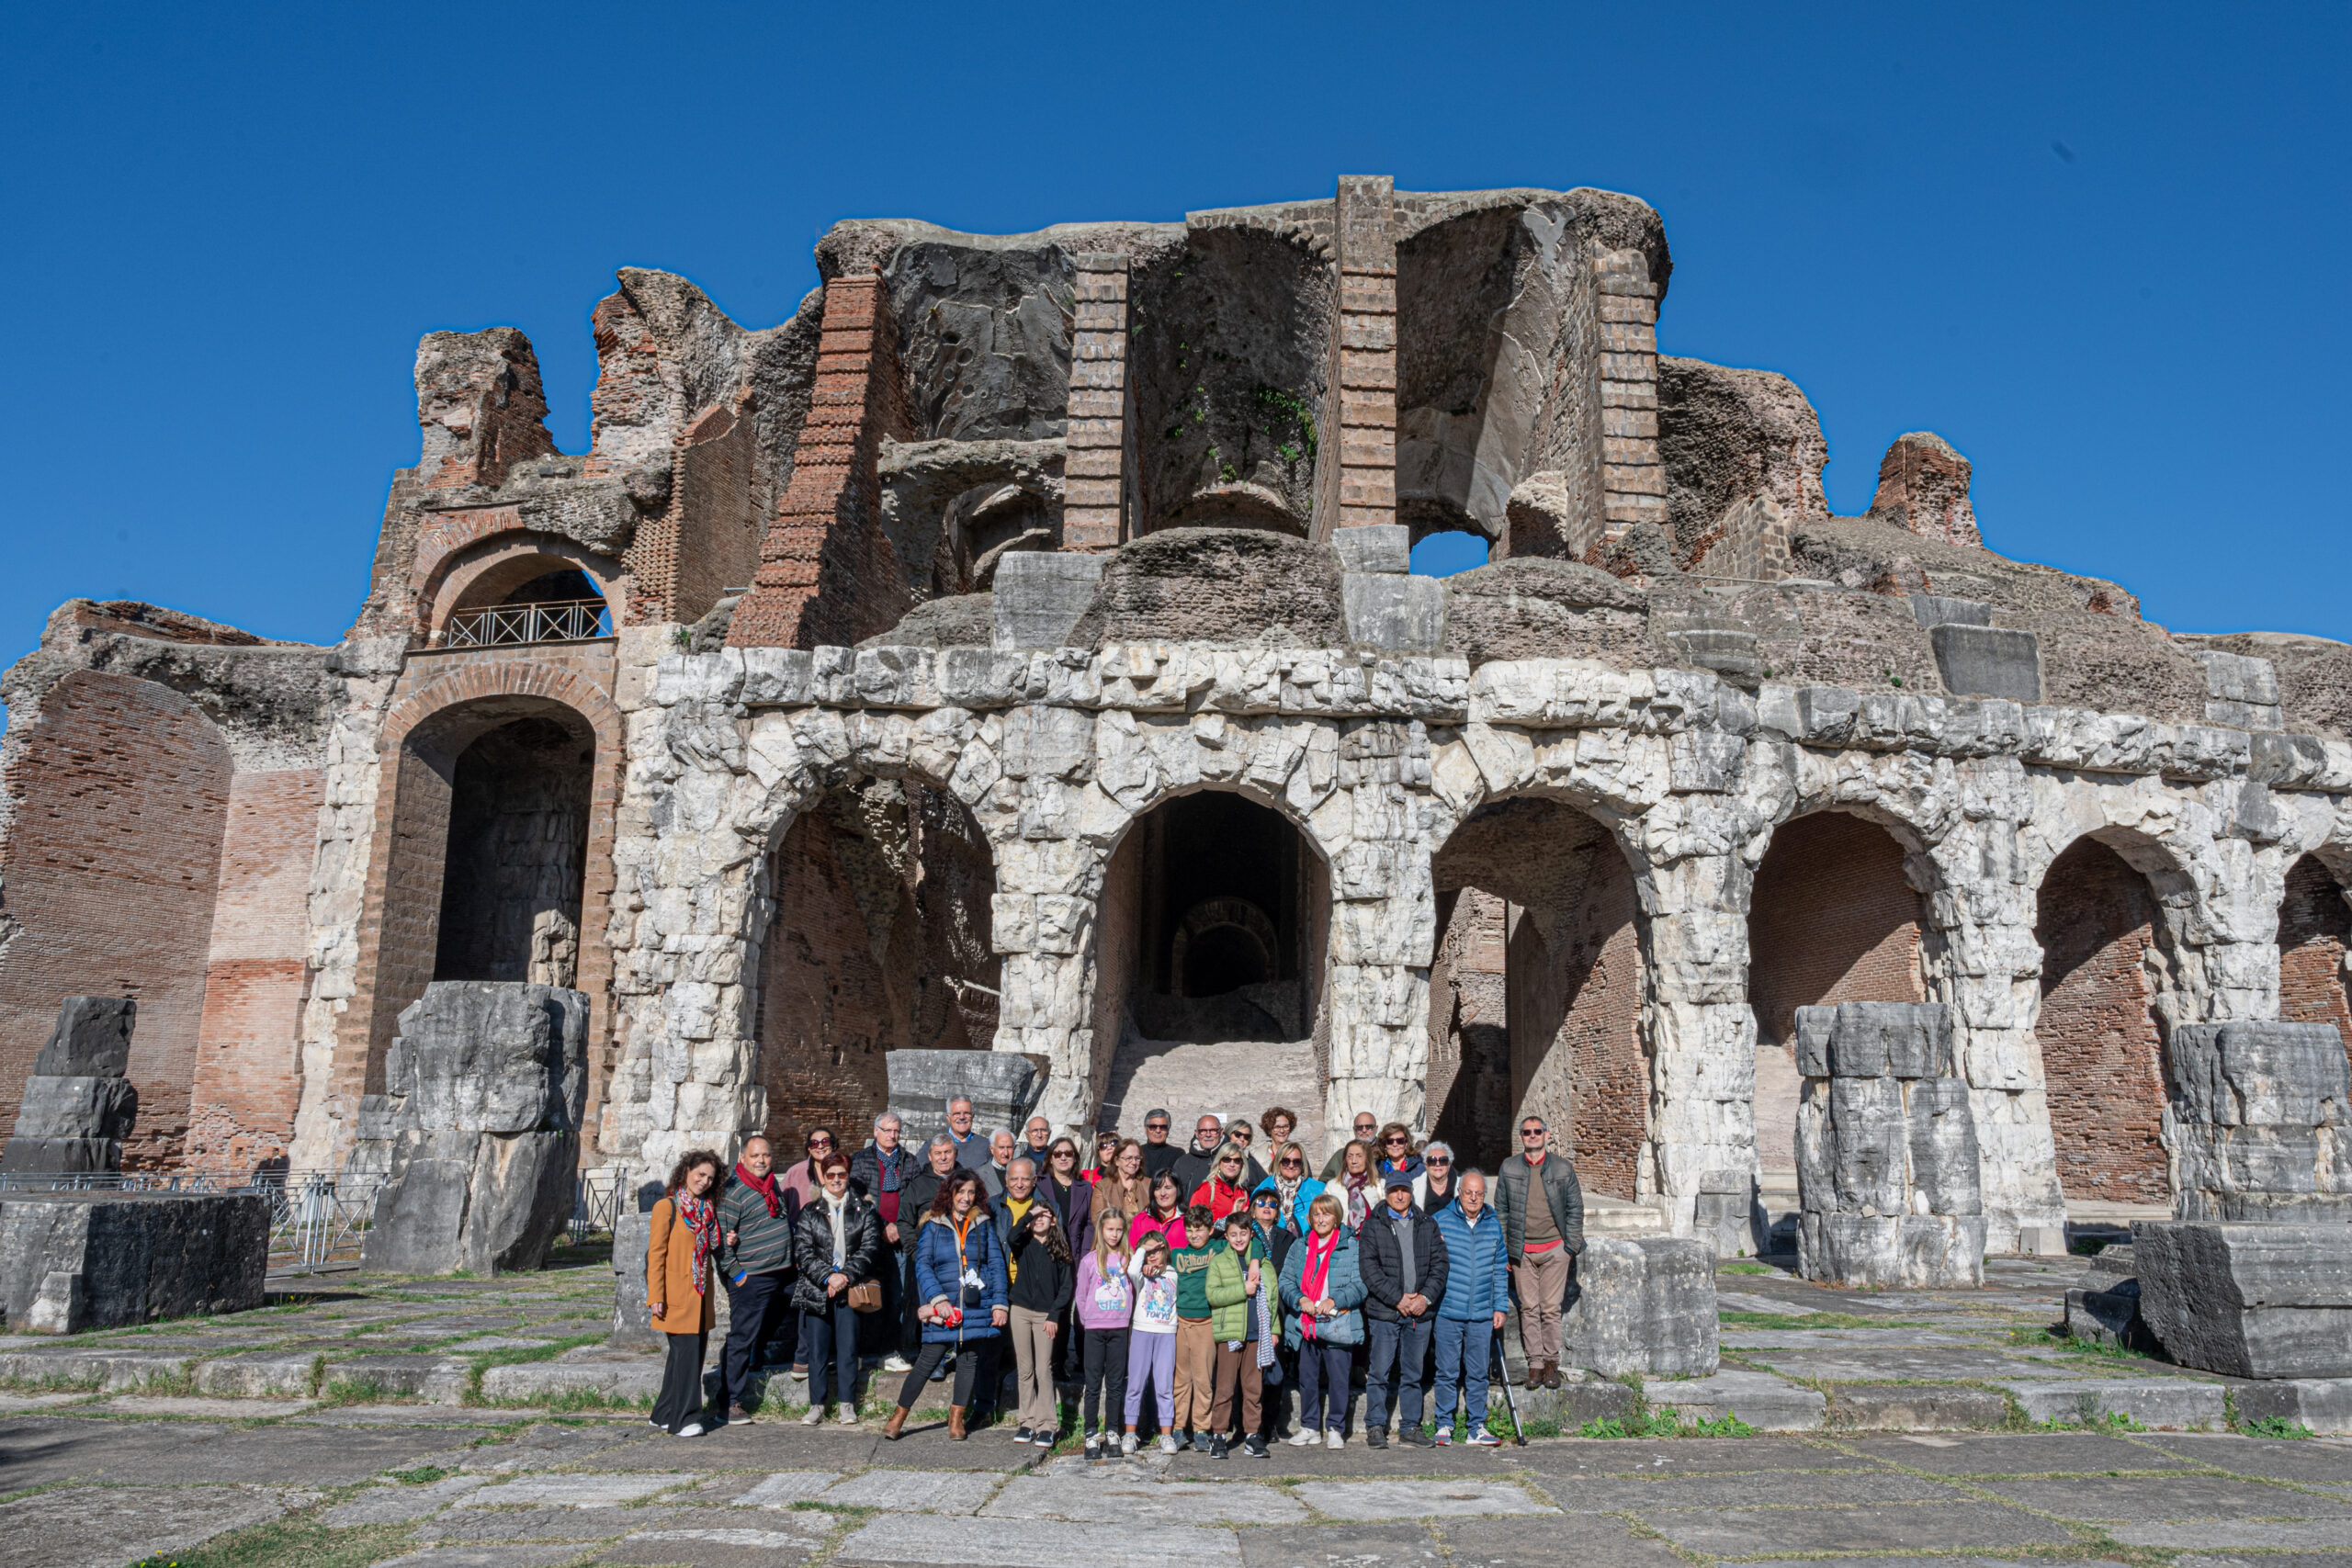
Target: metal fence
(316, 1217)
(561, 620)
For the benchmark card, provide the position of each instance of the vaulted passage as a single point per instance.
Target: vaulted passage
(1535, 994)
(2100, 927)
(2314, 931)
(517, 845)
(1832, 918)
(1210, 939)
(878, 942)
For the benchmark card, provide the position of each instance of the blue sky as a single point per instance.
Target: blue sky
(2100, 249)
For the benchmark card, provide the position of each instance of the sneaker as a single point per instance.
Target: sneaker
(1128, 1444)
(1183, 1443)
(845, 1414)
(1333, 1439)
(894, 1362)
(1376, 1437)
(1444, 1438)
(738, 1417)
(1093, 1445)
(1302, 1438)
(1481, 1438)
(1167, 1444)
(1255, 1447)
(691, 1429)
(1219, 1448)
(1414, 1437)
(816, 1417)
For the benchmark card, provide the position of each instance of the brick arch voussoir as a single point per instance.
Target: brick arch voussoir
(478, 681)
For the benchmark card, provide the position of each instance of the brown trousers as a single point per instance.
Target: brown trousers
(1239, 1368)
(1195, 1373)
(1542, 1280)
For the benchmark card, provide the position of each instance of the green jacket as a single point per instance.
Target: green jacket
(1192, 1265)
(1230, 1318)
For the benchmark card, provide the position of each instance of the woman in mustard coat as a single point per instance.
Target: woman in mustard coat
(677, 1286)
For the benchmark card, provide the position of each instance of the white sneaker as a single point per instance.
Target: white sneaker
(816, 1417)
(1128, 1444)
(1168, 1442)
(1481, 1438)
(1302, 1438)
(1333, 1441)
(846, 1414)
(691, 1429)
(894, 1362)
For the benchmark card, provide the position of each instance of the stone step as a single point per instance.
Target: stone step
(1239, 1078)
(1616, 1217)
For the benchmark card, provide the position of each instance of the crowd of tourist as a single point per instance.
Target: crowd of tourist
(1196, 1294)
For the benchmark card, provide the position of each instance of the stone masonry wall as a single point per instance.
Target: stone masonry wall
(2314, 934)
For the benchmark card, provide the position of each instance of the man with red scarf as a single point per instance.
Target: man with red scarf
(755, 1216)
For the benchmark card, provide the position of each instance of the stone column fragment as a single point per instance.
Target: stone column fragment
(2257, 1121)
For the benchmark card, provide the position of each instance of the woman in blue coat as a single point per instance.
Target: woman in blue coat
(1292, 1189)
(961, 1282)
(1323, 1318)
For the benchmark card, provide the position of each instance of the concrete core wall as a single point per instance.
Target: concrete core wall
(2314, 933)
(2098, 923)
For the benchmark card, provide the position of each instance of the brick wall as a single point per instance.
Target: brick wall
(1357, 484)
(1632, 475)
(827, 574)
(881, 900)
(1469, 1081)
(2315, 928)
(1832, 920)
(247, 1081)
(1102, 408)
(114, 866)
(2100, 1050)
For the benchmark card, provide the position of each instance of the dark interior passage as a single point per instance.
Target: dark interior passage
(517, 848)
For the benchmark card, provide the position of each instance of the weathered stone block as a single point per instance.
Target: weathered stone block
(77, 1107)
(1039, 596)
(92, 1039)
(1869, 1040)
(1988, 662)
(71, 1261)
(1766, 1403)
(2109, 1317)
(1003, 1086)
(2260, 1122)
(1374, 547)
(61, 1155)
(1397, 613)
(1933, 610)
(2248, 1300)
(1644, 1305)
(2325, 1404)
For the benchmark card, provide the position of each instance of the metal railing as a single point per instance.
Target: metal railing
(500, 626)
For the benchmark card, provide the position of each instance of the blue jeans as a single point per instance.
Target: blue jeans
(1464, 1346)
(1399, 1351)
(831, 1337)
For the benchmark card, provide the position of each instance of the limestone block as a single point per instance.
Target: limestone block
(2248, 1300)
(1988, 662)
(1003, 1086)
(2325, 1404)
(1643, 1306)
(2260, 1074)
(91, 1039)
(81, 1107)
(1931, 610)
(72, 1261)
(1375, 547)
(1391, 610)
(1040, 596)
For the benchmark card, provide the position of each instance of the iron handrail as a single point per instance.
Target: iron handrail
(503, 625)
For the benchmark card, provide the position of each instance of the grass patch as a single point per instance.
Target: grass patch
(570, 1399)
(2276, 1426)
(2105, 1421)
(2047, 1339)
(423, 1475)
(297, 1541)
(1649, 1420)
(357, 1390)
(1745, 1269)
(1810, 1320)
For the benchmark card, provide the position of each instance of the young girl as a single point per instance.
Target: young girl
(1041, 1294)
(1106, 1300)
(1151, 1348)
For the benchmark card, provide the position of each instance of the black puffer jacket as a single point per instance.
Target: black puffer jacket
(1383, 1264)
(812, 1247)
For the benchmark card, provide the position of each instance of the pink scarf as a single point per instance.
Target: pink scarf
(1315, 1278)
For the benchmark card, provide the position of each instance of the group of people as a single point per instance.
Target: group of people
(1198, 1280)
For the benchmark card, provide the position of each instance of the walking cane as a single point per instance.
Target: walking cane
(1510, 1400)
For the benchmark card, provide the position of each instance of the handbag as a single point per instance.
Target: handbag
(866, 1296)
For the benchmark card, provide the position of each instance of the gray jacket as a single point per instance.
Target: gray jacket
(1560, 1191)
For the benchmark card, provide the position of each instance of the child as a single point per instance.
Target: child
(1106, 1300)
(1151, 1348)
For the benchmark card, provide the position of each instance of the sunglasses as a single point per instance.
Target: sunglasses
(820, 1143)
(1065, 1154)
(1531, 1132)
(1155, 1126)
(1292, 1163)
(1398, 1140)
(1439, 1159)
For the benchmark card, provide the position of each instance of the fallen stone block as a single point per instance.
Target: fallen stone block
(539, 1381)
(437, 1380)
(2248, 1300)
(2109, 1317)
(2172, 1403)
(1643, 1305)
(2325, 1404)
(71, 1261)
(1759, 1399)
(1914, 1407)
(257, 1373)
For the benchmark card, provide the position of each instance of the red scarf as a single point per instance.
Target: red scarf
(699, 1215)
(1315, 1278)
(762, 1185)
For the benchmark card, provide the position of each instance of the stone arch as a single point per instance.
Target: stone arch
(485, 571)
(424, 737)
(1539, 985)
(1239, 505)
(2315, 946)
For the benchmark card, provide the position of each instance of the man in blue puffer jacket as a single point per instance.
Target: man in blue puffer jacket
(1477, 1293)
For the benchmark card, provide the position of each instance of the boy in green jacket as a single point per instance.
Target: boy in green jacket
(1238, 1280)
(1196, 1336)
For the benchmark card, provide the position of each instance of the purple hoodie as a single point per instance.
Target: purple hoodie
(1104, 1301)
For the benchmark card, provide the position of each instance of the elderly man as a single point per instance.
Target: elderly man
(1405, 1267)
(1477, 1291)
(755, 1258)
(1037, 1137)
(1542, 1208)
(1002, 1146)
(1158, 1154)
(882, 1171)
(1193, 1167)
(1367, 1132)
(971, 1148)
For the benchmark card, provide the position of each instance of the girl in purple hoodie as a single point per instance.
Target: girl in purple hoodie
(1106, 1298)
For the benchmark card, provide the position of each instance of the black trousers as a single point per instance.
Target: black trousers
(751, 1310)
(1106, 1375)
(831, 1335)
(968, 1372)
(680, 1401)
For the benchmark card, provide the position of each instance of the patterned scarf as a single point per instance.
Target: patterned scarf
(700, 1216)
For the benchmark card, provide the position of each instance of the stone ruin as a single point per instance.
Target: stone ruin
(1015, 652)
(78, 1107)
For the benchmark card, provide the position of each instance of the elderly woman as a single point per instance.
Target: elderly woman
(1322, 1290)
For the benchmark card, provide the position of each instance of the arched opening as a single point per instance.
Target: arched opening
(2314, 933)
(1536, 993)
(1831, 918)
(515, 588)
(1210, 938)
(1446, 552)
(878, 942)
(516, 850)
(2100, 929)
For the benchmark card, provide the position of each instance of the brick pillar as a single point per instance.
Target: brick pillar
(826, 574)
(1633, 479)
(1094, 513)
(1357, 480)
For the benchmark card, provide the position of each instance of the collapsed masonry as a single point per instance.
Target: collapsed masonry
(1016, 651)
